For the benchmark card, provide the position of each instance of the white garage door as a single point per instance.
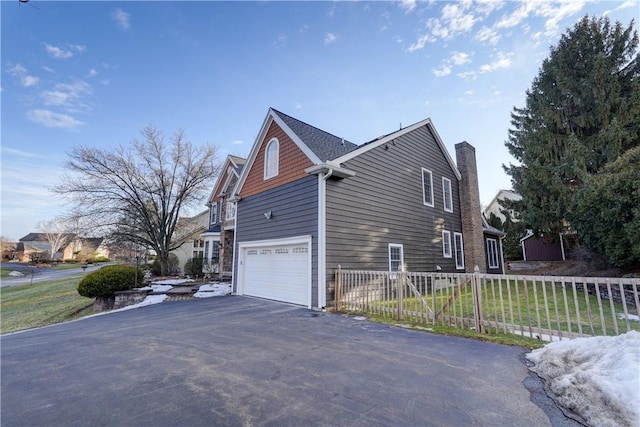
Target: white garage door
(277, 271)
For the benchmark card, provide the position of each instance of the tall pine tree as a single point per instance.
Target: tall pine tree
(582, 112)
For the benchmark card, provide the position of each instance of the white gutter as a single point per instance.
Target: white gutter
(322, 238)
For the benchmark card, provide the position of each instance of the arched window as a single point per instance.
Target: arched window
(271, 158)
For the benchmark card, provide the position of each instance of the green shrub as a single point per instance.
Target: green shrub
(193, 267)
(101, 258)
(109, 280)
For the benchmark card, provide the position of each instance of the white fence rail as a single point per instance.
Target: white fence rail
(543, 307)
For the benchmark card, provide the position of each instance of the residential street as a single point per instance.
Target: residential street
(40, 274)
(238, 361)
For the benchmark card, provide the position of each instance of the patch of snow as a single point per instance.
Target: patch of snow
(598, 378)
(15, 273)
(542, 337)
(149, 300)
(160, 288)
(213, 290)
(633, 317)
(171, 282)
(359, 318)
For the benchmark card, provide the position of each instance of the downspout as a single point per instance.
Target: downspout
(322, 239)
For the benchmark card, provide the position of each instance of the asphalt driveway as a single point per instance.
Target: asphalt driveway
(240, 361)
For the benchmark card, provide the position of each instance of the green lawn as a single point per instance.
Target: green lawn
(512, 306)
(40, 304)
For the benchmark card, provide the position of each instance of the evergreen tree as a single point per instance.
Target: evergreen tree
(582, 112)
(607, 212)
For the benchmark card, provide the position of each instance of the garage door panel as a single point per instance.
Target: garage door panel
(279, 272)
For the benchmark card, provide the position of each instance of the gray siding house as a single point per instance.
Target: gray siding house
(308, 201)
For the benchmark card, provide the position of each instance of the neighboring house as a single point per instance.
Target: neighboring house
(496, 206)
(189, 230)
(219, 236)
(37, 243)
(84, 248)
(542, 248)
(309, 201)
(493, 248)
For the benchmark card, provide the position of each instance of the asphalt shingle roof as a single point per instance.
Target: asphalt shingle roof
(323, 144)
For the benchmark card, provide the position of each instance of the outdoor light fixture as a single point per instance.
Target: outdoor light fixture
(267, 214)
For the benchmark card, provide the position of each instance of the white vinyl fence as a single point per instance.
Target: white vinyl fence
(543, 307)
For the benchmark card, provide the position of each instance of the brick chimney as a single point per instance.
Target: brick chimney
(471, 210)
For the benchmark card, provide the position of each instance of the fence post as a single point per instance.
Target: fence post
(477, 300)
(401, 282)
(338, 284)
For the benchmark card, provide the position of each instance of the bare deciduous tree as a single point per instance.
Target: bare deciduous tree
(136, 193)
(55, 232)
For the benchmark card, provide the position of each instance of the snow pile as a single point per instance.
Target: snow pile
(213, 290)
(598, 378)
(15, 273)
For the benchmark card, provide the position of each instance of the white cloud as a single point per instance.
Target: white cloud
(122, 18)
(330, 38)
(557, 14)
(20, 153)
(468, 75)
(67, 94)
(442, 71)
(420, 43)
(237, 142)
(503, 61)
(280, 41)
(486, 34)
(60, 53)
(526, 8)
(460, 58)
(26, 80)
(92, 73)
(468, 92)
(407, 5)
(625, 5)
(48, 118)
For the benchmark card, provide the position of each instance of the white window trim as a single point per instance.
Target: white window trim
(213, 214)
(446, 238)
(400, 246)
(424, 200)
(492, 256)
(459, 262)
(276, 168)
(446, 184)
(230, 211)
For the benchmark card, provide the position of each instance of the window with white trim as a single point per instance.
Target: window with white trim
(213, 213)
(271, 158)
(446, 194)
(427, 187)
(492, 253)
(396, 257)
(231, 211)
(446, 244)
(459, 250)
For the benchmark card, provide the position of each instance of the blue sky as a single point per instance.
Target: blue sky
(96, 73)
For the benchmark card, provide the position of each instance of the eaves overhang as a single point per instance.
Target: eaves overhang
(331, 170)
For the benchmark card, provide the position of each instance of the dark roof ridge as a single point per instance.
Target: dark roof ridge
(315, 127)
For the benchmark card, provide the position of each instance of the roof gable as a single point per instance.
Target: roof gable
(391, 136)
(316, 144)
(323, 144)
(233, 165)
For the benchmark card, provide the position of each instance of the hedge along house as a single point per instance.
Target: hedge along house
(309, 201)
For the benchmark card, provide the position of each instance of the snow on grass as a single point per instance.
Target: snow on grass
(213, 290)
(597, 378)
(632, 317)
